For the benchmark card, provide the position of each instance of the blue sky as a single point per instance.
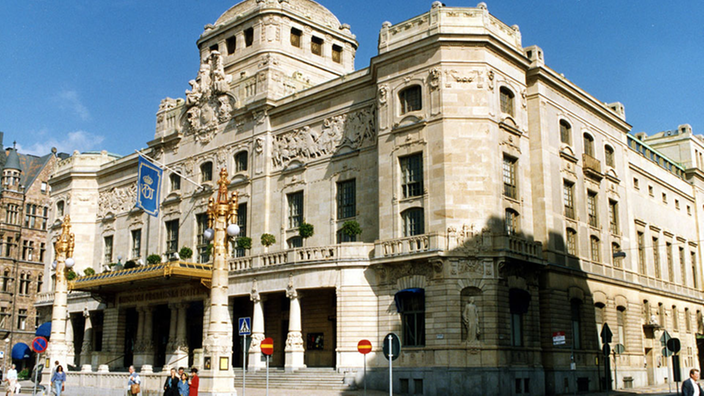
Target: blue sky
(89, 74)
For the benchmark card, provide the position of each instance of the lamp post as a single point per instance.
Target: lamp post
(5, 358)
(58, 348)
(217, 343)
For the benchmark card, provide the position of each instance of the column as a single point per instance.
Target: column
(148, 338)
(294, 341)
(139, 341)
(70, 353)
(181, 344)
(172, 357)
(255, 352)
(87, 346)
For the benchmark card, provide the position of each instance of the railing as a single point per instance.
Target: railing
(407, 245)
(348, 251)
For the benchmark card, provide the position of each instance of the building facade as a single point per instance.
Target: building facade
(495, 200)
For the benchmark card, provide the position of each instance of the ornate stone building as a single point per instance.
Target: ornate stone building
(24, 221)
(495, 200)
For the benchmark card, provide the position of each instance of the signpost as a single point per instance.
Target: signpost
(674, 346)
(267, 347)
(39, 345)
(364, 347)
(245, 329)
(606, 338)
(664, 338)
(618, 349)
(392, 348)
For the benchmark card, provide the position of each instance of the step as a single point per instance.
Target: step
(308, 378)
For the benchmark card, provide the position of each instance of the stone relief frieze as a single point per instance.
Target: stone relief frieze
(117, 200)
(208, 102)
(390, 273)
(304, 144)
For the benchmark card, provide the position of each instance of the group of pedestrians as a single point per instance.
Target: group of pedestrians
(176, 384)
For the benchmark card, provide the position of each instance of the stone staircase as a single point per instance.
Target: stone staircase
(308, 378)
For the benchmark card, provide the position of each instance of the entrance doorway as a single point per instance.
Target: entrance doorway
(131, 319)
(160, 331)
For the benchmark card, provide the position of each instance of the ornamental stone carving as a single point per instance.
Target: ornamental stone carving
(352, 130)
(117, 200)
(208, 102)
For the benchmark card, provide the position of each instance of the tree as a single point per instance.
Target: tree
(351, 228)
(244, 243)
(185, 252)
(268, 239)
(305, 230)
(153, 259)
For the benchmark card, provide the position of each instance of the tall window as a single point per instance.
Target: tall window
(60, 209)
(565, 132)
(618, 261)
(594, 244)
(201, 242)
(568, 198)
(613, 216)
(6, 280)
(656, 258)
(609, 156)
(575, 310)
(316, 45)
(519, 301)
(42, 252)
(206, 172)
(506, 100)
(511, 222)
(24, 284)
(296, 37)
(248, 37)
(412, 172)
(588, 145)
(137, 243)
(413, 222)
(295, 209)
(670, 262)
(687, 320)
(346, 199)
(509, 176)
(336, 53)
(675, 319)
(231, 43)
(411, 99)
(172, 236)
(21, 319)
(107, 249)
(241, 161)
(571, 242)
(27, 250)
(40, 281)
(621, 324)
(592, 209)
(4, 318)
(8, 247)
(12, 215)
(599, 316)
(641, 253)
(695, 273)
(411, 306)
(175, 182)
(242, 222)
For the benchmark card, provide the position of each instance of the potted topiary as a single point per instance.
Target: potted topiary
(89, 271)
(130, 264)
(351, 228)
(268, 239)
(71, 275)
(244, 243)
(153, 259)
(185, 252)
(305, 230)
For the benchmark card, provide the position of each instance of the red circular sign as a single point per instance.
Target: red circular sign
(364, 347)
(267, 346)
(39, 344)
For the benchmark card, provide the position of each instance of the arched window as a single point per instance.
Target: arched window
(60, 209)
(565, 132)
(413, 222)
(599, 316)
(621, 324)
(512, 222)
(609, 156)
(507, 97)
(411, 99)
(588, 145)
(241, 161)
(295, 242)
(410, 303)
(206, 172)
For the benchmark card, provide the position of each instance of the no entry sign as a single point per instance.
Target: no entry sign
(267, 346)
(364, 347)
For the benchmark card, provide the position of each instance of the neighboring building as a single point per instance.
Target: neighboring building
(493, 195)
(24, 217)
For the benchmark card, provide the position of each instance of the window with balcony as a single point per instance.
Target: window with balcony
(294, 242)
(411, 99)
(683, 266)
(565, 132)
(568, 199)
(295, 209)
(507, 98)
(171, 236)
(670, 262)
(346, 199)
(511, 222)
(509, 176)
(695, 273)
(519, 302)
(413, 222)
(588, 145)
(412, 173)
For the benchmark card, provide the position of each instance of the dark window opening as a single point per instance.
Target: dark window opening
(296, 37)
(231, 43)
(336, 54)
(316, 45)
(410, 303)
(249, 37)
(411, 99)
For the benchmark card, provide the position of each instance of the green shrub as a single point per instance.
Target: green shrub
(268, 239)
(244, 243)
(71, 275)
(89, 272)
(23, 375)
(185, 252)
(130, 264)
(153, 259)
(351, 228)
(305, 230)
(209, 250)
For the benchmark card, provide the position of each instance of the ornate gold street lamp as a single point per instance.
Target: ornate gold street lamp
(217, 347)
(58, 348)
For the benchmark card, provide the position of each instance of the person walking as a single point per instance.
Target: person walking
(133, 383)
(690, 387)
(58, 380)
(183, 385)
(194, 382)
(171, 384)
(11, 380)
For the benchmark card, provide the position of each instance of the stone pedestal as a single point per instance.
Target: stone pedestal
(255, 362)
(294, 341)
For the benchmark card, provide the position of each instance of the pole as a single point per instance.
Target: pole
(364, 379)
(391, 359)
(615, 370)
(36, 374)
(267, 375)
(244, 364)
(670, 370)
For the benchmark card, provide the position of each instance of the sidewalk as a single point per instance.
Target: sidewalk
(654, 390)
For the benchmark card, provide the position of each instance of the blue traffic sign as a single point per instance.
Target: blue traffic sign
(39, 344)
(245, 326)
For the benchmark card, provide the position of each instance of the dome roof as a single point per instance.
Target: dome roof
(306, 8)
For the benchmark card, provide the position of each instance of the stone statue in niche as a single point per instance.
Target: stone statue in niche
(208, 102)
(470, 321)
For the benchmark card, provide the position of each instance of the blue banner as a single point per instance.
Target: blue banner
(149, 187)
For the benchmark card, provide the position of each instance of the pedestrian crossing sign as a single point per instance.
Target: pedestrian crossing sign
(245, 326)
